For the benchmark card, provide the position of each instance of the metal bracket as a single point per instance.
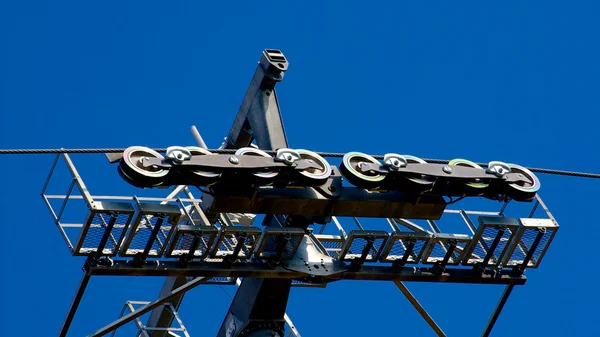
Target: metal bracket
(228, 162)
(310, 260)
(442, 171)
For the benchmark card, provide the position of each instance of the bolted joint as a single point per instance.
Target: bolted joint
(178, 154)
(287, 156)
(394, 161)
(498, 168)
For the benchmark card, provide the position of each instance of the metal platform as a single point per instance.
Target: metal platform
(310, 236)
(149, 228)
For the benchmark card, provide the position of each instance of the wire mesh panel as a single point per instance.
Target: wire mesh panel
(222, 280)
(300, 283)
(533, 234)
(440, 245)
(104, 226)
(359, 240)
(200, 239)
(234, 240)
(332, 243)
(281, 243)
(400, 242)
(151, 230)
(493, 232)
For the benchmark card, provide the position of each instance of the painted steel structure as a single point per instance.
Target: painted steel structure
(322, 237)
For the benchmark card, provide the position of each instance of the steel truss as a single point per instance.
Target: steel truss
(195, 241)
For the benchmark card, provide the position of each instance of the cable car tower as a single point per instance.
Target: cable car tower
(266, 216)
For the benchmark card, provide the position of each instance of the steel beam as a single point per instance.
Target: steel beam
(259, 116)
(75, 304)
(307, 202)
(262, 270)
(154, 304)
(419, 308)
(164, 318)
(259, 119)
(490, 324)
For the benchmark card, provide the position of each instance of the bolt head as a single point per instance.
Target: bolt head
(234, 160)
(288, 158)
(447, 169)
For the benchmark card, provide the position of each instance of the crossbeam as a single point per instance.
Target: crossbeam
(306, 201)
(261, 270)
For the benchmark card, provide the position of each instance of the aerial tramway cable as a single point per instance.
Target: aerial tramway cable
(322, 154)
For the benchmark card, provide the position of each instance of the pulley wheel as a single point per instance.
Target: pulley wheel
(198, 177)
(350, 170)
(265, 176)
(476, 185)
(132, 169)
(314, 176)
(420, 182)
(522, 191)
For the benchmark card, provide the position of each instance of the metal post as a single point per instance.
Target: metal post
(419, 308)
(490, 324)
(74, 305)
(407, 253)
(155, 230)
(495, 243)
(198, 138)
(258, 118)
(107, 232)
(518, 270)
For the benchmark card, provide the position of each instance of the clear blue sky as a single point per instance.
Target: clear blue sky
(515, 82)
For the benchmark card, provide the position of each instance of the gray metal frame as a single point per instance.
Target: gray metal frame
(146, 213)
(227, 239)
(261, 270)
(179, 331)
(148, 307)
(203, 248)
(531, 225)
(510, 225)
(402, 238)
(373, 252)
(443, 240)
(295, 238)
(104, 208)
(259, 120)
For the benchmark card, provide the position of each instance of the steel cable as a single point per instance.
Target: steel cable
(323, 154)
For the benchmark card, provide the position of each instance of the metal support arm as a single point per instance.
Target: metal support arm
(419, 308)
(259, 116)
(150, 306)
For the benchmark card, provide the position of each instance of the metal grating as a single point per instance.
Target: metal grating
(273, 238)
(222, 280)
(480, 249)
(398, 244)
(440, 244)
(96, 225)
(524, 239)
(97, 229)
(228, 240)
(151, 230)
(299, 283)
(483, 240)
(357, 241)
(333, 247)
(186, 237)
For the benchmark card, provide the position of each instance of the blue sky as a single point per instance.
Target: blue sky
(515, 82)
